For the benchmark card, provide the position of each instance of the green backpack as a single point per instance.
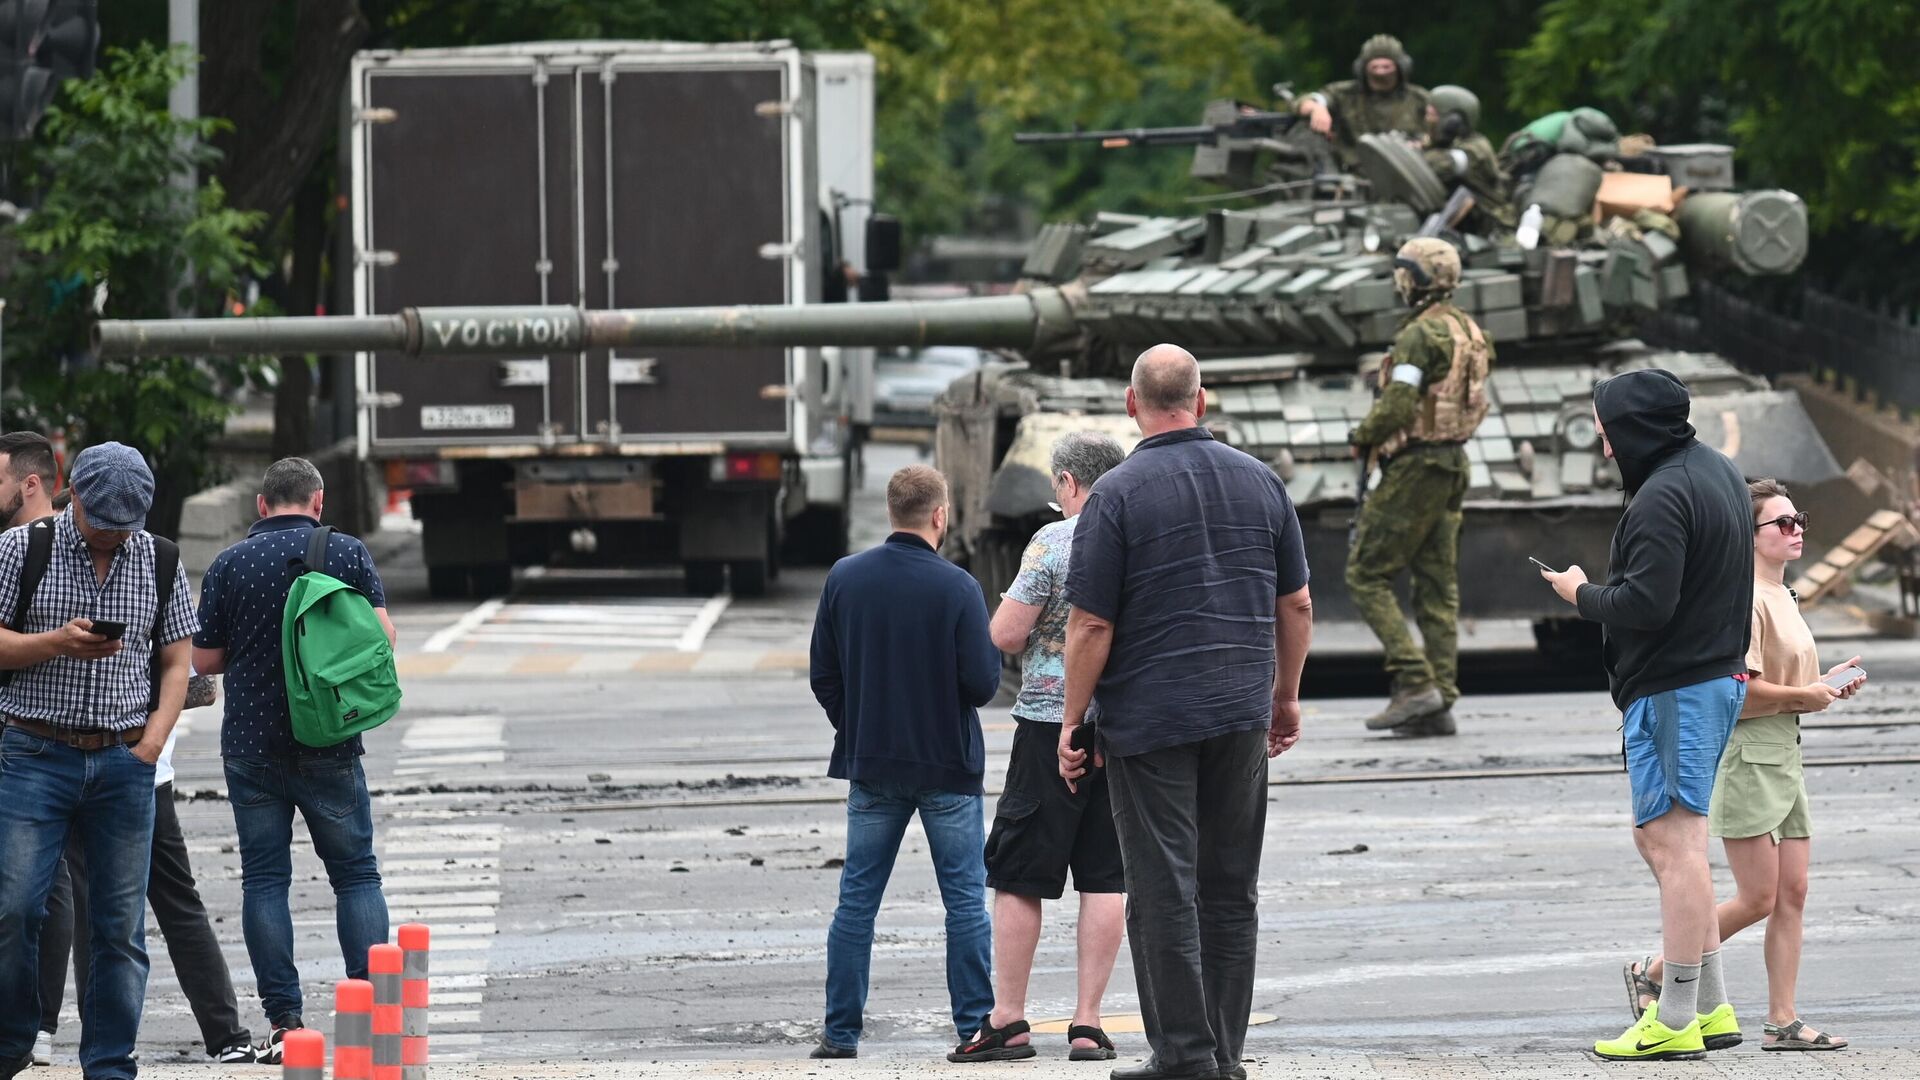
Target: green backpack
(339, 665)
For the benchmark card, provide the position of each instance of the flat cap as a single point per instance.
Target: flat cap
(113, 485)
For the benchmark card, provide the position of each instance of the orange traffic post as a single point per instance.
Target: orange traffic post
(353, 1030)
(384, 966)
(303, 1055)
(416, 998)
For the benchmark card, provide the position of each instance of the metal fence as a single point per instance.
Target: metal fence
(1872, 354)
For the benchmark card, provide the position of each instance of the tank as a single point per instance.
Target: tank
(1288, 301)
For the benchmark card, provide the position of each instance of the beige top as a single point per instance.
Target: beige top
(1782, 651)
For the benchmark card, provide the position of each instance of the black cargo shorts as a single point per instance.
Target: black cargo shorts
(1040, 829)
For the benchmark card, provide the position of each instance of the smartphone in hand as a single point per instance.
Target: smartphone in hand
(107, 628)
(1839, 679)
(1542, 565)
(1083, 737)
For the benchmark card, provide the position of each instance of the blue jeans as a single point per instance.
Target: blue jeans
(105, 797)
(331, 795)
(877, 816)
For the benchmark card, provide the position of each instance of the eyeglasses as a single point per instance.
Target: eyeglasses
(1787, 524)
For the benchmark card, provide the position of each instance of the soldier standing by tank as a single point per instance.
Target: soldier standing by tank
(1433, 395)
(1377, 99)
(1459, 155)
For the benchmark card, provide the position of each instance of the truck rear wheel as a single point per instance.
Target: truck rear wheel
(750, 577)
(705, 577)
(494, 579)
(447, 582)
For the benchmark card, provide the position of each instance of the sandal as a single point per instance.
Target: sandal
(1639, 986)
(1103, 1051)
(991, 1044)
(1787, 1037)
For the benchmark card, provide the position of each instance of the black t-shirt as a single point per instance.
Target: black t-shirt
(1185, 548)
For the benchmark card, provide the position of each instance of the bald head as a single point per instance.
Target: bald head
(1166, 378)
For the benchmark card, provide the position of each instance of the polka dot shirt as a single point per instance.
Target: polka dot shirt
(241, 600)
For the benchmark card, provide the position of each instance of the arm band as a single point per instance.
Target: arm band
(1409, 374)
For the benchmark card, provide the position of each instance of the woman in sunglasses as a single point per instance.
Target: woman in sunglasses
(1759, 804)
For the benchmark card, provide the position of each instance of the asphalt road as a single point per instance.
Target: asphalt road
(629, 853)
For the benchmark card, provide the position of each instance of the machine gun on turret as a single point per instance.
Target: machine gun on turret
(1227, 142)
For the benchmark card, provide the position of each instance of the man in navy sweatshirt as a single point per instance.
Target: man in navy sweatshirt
(1675, 614)
(901, 662)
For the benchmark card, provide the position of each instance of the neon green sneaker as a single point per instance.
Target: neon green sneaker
(1719, 1030)
(1651, 1040)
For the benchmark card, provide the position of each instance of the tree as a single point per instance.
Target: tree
(112, 235)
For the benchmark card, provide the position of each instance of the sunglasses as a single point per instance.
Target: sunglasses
(1787, 524)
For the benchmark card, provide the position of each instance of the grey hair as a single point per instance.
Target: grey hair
(291, 482)
(1086, 455)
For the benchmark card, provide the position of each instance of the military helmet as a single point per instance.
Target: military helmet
(1448, 99)
(1426, 266)
(1383, 45)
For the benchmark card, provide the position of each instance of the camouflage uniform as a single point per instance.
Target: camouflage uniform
(1358, 110)
(1461, 155)
(1412, 519)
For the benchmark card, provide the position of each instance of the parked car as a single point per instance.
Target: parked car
(906, 382)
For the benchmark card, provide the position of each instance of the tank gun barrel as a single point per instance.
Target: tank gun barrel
(1028, 321)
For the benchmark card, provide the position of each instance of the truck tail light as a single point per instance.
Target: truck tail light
(417, 475)
(764, 465)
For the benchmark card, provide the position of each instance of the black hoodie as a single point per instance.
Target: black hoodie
(1678, 604)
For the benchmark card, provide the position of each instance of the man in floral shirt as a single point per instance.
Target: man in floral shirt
(1041, 829)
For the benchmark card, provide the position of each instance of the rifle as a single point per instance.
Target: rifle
(1247, 124)
(1367, 462)
(1459, 205)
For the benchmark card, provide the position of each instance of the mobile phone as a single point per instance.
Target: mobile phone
(1083, 737)
(1839, 679)
(109, 629)
(1542, 565)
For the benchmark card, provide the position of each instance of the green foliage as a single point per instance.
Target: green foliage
(961, 77)
(1818, 96)
(111, 228)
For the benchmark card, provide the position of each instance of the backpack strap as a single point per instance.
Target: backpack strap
(39, 557)
(166, 567)
(317, 549)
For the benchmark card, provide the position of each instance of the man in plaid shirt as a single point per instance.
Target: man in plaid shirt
(87, 715)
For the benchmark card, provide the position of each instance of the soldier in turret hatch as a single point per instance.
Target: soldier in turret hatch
(1377, 99)
(1433, 395)
(1460, 155)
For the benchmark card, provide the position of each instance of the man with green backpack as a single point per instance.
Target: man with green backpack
(295, 617)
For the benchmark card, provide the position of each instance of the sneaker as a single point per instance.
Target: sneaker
(1651, 1040)
(240, 1053)
(1719, 1030)
(830, 1052)
(269, 1051)
(43, 1048)
(1407, 705)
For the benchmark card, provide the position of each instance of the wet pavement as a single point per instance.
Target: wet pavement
(634, 869)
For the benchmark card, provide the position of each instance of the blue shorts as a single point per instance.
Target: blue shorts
(1673, 742)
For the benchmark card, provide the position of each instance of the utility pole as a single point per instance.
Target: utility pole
(183, 28)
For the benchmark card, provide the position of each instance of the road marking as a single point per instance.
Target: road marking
(463, 626)
(696, 635)
(447, 875)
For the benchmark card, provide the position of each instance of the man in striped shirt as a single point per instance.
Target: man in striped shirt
(99, 660)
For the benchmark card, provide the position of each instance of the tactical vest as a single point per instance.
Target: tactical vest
(1451, 410)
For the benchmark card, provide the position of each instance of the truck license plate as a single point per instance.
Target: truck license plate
(465, 417)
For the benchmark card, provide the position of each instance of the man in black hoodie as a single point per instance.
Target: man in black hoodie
(1676, 612)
